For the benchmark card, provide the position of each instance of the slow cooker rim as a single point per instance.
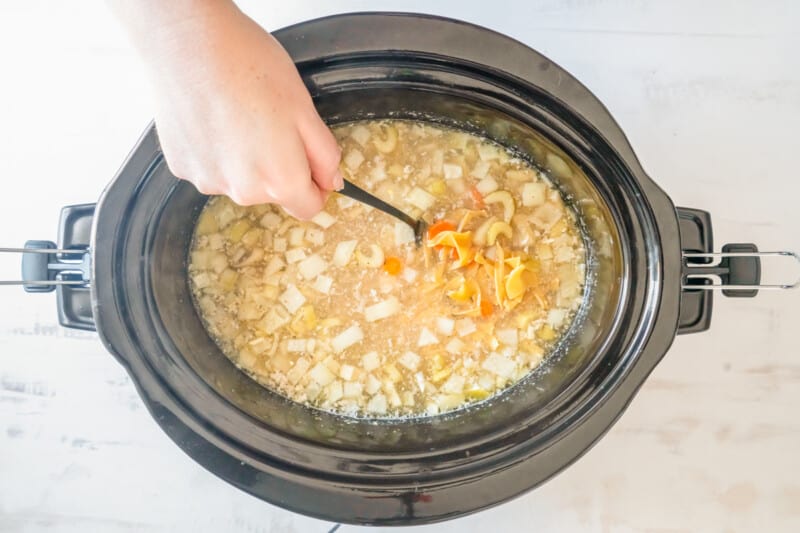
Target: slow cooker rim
(359, 455)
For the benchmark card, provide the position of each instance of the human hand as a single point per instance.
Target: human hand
(232, 114)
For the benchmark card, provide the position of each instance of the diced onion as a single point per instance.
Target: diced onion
(323, 284)
(297, 236)
(370, 361)
(296, 345)
(201, 280)
(343, 253)
(372, 384)
(408, 398)
(374, 260)
(487, 152)
(437, 161)
(378, 173)
(292, 298)
(403, 233)
(410, 360)
(420, 379)
(421, 198)
(455, 347)
(279, 244)
(275, 319)
(486, 185)
(409, 274)
(391, 394)
(546, 215)
(346, 372)
(299, 370)
(445, 325)
(499, 365)
(347, 338)
(564, 254)
(218, 262)
(449, 401)
(334, 391)
(426, 337)
(360, 134)
(312, 266)
(556, 317)
(321, 375)
(295, 255)
(353, 159)
(323, 219)
(377, 404)
(508, 336)
(534, 194)
(226, 215)
(480, 169)
(345, 202)
(465, 326)
(271, 220)
(315, 236)
(312, 391)
(275, 265)
(382, 310)
(452, 171)
(454, 385)
(559, 167)
(352, 390)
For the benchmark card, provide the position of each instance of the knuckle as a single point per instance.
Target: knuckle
(204, 188)
(180, 167)
(239, 198)
(306, 209)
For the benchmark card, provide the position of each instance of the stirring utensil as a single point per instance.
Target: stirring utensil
(357, 193)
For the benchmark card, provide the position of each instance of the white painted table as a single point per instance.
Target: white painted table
(709, 93)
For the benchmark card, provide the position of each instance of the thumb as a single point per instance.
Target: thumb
(323, 154)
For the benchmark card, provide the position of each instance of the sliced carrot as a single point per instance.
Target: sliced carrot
(437, 228)
(477, 197)
(486, 308)
(393, 265)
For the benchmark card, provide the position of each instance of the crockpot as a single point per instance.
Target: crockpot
(120, 268)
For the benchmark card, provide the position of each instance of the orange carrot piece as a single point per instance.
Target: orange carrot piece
(393, 266)
(437, 228)
(477, 197)
(486, 308)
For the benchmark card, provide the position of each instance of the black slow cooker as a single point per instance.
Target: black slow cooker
(120, 269)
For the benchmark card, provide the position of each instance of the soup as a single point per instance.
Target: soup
(346, 313)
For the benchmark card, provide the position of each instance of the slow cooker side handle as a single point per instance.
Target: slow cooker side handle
(64, 268)
(736, 270)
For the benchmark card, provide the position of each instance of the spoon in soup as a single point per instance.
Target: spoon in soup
(357, 193)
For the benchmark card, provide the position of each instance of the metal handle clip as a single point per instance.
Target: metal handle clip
(43, 269)
(737, 273)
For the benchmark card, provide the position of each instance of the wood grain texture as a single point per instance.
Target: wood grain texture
(708, 93)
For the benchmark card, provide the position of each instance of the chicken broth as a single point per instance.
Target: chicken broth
(345, 312)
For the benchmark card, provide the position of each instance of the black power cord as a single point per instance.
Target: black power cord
(334, 528)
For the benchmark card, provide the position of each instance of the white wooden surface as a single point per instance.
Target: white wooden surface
(709, 94)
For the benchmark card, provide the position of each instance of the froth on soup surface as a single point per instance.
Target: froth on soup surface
(345, 312)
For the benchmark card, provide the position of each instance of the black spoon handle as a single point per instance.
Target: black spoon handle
(357, 193)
